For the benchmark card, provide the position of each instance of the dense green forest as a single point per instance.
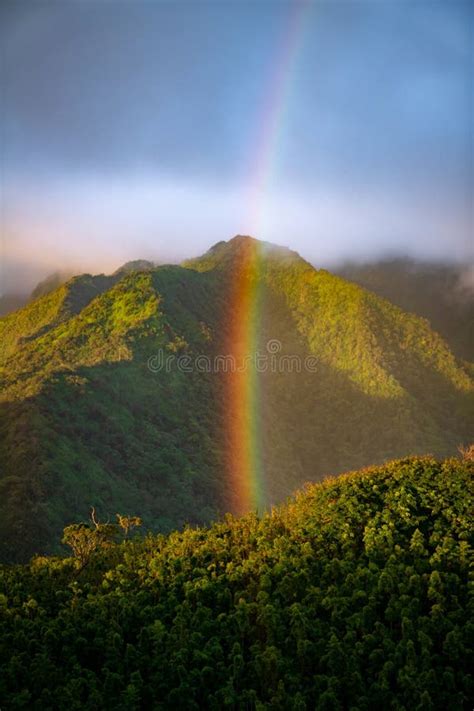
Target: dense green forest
(441, 293)
(353, 595)
(85, 421)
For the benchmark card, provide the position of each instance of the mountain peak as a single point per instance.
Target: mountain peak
(224, 253)
(136, 265)
(244, 239)
(236, 243)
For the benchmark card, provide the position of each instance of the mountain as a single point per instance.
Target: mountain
(50, 283)
(136, 265)
(12, 302)
(441, 293)
(355, 595)
(87, 418)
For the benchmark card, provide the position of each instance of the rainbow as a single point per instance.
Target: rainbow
(245, 461)
(243, 397)
(273, 114)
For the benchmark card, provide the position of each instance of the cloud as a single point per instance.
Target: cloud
(97, 224)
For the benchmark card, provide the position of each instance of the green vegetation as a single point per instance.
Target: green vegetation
(354, 595)
(48, 310)
(84, 421)
(441, 293)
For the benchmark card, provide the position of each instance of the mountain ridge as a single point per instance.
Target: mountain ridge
(85, 421)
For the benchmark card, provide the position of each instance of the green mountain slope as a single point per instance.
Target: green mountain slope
(86, 420)
(353, 595)
(441, 293)
(48, 310)
(386, 383)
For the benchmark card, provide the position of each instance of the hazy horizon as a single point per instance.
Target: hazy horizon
(25, 277)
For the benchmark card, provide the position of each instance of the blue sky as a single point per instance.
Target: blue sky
(132, 129)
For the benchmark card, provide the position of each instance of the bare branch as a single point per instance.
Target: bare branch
(94, 520)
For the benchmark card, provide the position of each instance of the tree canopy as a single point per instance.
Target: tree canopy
(353, 595)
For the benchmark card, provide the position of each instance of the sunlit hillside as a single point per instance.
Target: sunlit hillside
(352, 595)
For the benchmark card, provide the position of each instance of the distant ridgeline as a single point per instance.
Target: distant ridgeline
(89, 417)
(352, 596)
